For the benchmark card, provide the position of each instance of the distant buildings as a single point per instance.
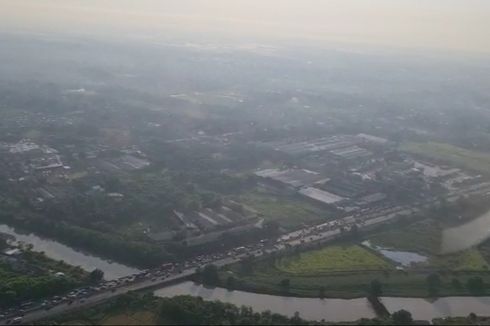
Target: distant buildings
(290, 178)
(209, 224)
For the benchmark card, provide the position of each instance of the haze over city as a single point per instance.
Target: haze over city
(451, 25)
(313, 162)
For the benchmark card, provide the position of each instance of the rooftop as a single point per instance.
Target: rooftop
(292, 177)
(320, 195)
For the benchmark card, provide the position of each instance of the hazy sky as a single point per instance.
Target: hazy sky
(436, 24)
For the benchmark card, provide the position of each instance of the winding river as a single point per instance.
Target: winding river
(334, 310)
(467, 235)
(314, 309)
(58, 251)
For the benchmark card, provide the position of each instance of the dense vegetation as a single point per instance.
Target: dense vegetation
(105, 244)
(331, 259)
(180, 310)
(33, 279)
(133, 309)
(344, 271)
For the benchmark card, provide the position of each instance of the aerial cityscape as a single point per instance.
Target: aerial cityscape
(193, 177)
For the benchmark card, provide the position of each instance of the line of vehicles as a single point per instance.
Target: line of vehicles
(173, 270)
(161, 273)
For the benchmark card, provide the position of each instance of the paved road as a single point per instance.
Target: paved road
(95, 299)
(315, 234)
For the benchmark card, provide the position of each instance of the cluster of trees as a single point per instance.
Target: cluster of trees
(189, 310)
(137, 253)
(18, 288)
(208, 275)
(185, 310)
(474, 284)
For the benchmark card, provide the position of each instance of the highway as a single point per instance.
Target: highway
(172, 273)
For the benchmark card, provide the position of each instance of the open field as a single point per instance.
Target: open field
(266, 278)
(423, 237)
(459, 157)
(346, 270)
(468, 260)
(289, 213)
(330, 259)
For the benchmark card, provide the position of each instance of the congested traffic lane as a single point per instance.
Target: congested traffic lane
(162, 276)
(153, 278)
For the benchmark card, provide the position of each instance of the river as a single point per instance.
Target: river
(467, 235)
(58, 251)
(314, 309)
(334, 310)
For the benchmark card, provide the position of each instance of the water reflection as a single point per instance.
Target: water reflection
(467, 235)
(334, 310)
(444, 307)
(58, 251)
(404, 258)
(314, 309)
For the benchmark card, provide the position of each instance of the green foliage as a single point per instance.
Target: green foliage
(402, 317)
(185, 310)
(96, 275)
(375, 288)
(330, 259)
(209, 275)
(18, 288)
(285, 283)
(287, 211)
(136, 253)
(179, 310)
(476, 285)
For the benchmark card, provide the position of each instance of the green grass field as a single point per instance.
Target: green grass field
(346, 270)
(468, 260)
(332, 259)
(457, 156)
(287, 211)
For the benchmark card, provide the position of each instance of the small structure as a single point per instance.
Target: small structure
(321, 196)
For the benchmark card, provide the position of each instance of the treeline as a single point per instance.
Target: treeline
(136, 253)
(186, 310)
(179, 310)
(189, 310)
(15, 289)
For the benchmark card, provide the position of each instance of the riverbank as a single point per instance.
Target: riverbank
(401, 257)
(351, 286)
(334, 310)
(70, 256)
(109, 245)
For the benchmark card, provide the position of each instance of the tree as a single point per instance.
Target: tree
(321, 292)
(456, 283)
(475, 284)
(247, 263)
(96, 275)
(230, 282)
(472, 317)
(3, 244)
(285, 283)
(402, 317)
(433, 281)
(209, 274)
(354, 231)
(296, 319)
(375, 288)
